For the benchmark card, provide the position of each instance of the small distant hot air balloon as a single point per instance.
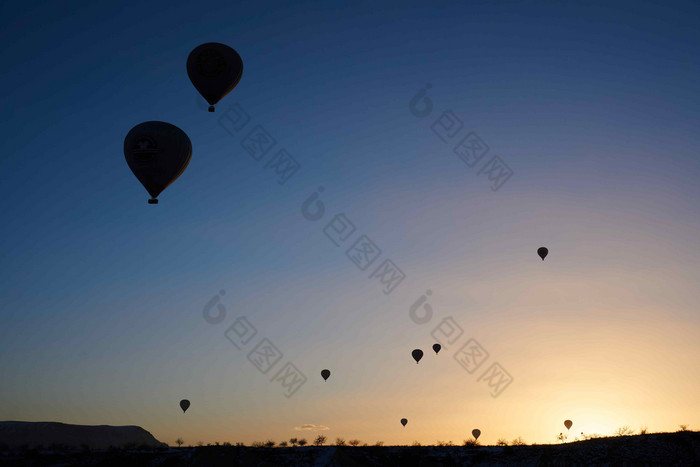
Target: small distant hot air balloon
(417, 355)
(325, 374)
(542, 252)
(184, 405)
(157, 153)
(214, 69)
(568, 423)
(404, 421)
(436, 348)
(476, 433)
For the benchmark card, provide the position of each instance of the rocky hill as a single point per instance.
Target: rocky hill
(33, 434)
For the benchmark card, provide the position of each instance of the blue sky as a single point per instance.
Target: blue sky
(595, 107)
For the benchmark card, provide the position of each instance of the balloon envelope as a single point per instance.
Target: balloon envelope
(568, 423)
(184, 405)
(437, 347)
(542, 252)
(214, 69)
(157, 153)
(476, 433)
(325, 374)
(404, 421)
(417, 355)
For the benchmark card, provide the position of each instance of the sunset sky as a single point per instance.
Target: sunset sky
(595, 108)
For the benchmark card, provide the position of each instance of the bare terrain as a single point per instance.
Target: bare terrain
(680, 448)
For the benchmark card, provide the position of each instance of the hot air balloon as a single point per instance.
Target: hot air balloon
(542, 252)
(214, 69)
(436, 348)
(404, 421)
(184, 405)
(417, 355)
(325, 374)
(157, 153)
(568, 423)
(476, 433)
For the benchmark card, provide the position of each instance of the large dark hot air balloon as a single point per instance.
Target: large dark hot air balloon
(325, 374)
(184, 405)
(417, 355)
(214, 69)
(476, 433)
(436, 348)
(542, 252)
(157, 153)
(404, 421)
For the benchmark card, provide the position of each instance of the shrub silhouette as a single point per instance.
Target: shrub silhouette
(293, 441)
(269, 444)
(257, 444)
(283, 444)
(643, 430)
(518, 442)
(471, 442)
(624, 431)
(354, 442)
(339, 442)
(179, 442)
(302, 442)
(683, 427)
(379, 443)
(320, 439)
(416, 443)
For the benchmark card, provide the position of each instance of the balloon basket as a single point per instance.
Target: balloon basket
(152, 201)
(211, 108)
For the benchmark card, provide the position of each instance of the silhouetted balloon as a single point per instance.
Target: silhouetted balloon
(568, 423)
(476, 433)
(184, 405)
(214, 69)
(325, 374)
(542, 252)
(404, 421)
(417, 355)
(436, 348)
(157, 153)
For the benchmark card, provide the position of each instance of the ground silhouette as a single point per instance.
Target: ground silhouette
(668, 449)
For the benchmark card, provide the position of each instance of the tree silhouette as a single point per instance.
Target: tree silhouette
(354, 442)
(624, 431)
(320, 439)
(293, 441)
(302, 441)
(179, 442)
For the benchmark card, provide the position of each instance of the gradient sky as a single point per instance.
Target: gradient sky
(595, 107)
